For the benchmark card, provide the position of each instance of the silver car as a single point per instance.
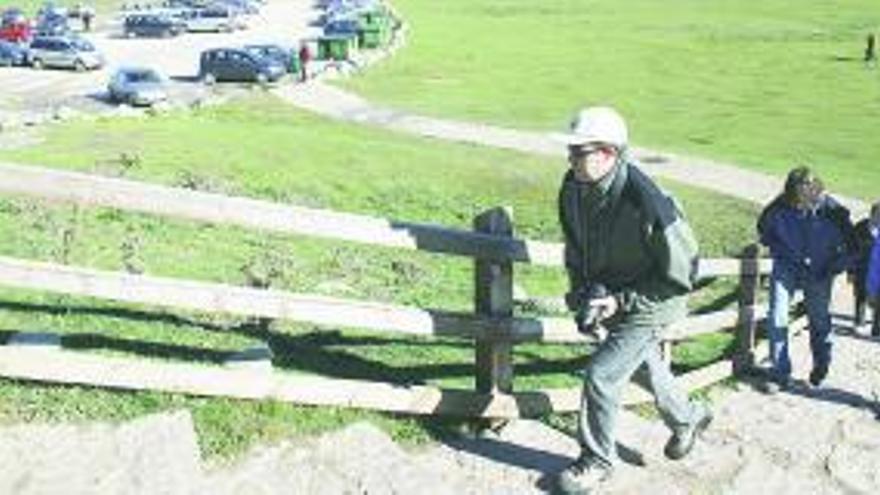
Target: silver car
(213, 19)
(65, 52)
(137, 86)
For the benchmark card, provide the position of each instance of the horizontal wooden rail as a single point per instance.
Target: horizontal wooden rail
(322, 310)
(194, 205)
(128, 195)
(202, 296)
(87, 368)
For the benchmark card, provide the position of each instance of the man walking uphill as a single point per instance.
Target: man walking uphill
(631, 260)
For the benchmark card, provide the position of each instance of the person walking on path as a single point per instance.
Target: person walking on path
(866, 231)
(631, 260)
(872, 285)
(304, 57)
(810, 237)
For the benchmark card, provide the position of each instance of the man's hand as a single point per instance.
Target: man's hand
(593, 311)
(605, 306)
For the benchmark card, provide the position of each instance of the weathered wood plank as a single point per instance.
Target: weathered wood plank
(194, 205)
(128, 195)
(747, 321)
(76, 367)
(717, 267)
(493, 298)
(336, 312)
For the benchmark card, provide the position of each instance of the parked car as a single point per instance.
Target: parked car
(69, 52)
(231, 64)
(212, 19)
(243, 7)
(137, 86)
(285, 56)
(15, 27)
(52, 24)
(12, 54)
(342, 27)
(152, 25)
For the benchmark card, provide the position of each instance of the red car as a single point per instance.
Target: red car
(15, 27)
(19, 32)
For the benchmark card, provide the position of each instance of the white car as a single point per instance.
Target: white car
(213, 19)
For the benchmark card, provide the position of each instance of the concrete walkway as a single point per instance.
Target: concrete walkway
(329, 101)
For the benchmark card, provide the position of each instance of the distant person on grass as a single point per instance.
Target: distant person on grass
(810, 237)
(871, 50)
(631, 260)
(866, 232)
(872, 285)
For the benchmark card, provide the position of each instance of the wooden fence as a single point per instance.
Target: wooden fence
(492, 325)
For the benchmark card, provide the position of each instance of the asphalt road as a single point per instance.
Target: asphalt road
(27, 90)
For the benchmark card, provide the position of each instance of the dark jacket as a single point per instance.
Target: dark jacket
(633, 239)
(864, 240)
(816, 243)
(872, 285)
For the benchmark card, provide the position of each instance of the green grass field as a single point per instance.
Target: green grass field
(262, 149)
(760, 84)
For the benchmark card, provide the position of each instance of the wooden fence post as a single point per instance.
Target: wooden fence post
(749, 277)
(493, 297)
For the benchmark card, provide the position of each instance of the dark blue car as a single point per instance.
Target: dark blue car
(285, 56)
(149, 25)
(12, 54)
(342, 27)
(231, 64)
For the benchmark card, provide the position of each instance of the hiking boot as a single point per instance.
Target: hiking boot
(817, 376)
(584, 476)
(682, 441)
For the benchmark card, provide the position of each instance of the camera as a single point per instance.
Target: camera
(587, 316)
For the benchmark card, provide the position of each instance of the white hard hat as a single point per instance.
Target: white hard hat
(596, 125)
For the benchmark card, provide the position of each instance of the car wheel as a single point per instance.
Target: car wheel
(79, 66)
(209, 78)
(37, 64)
(262, 79)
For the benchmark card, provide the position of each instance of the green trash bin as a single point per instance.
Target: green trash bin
(337, 47)
(371, 37)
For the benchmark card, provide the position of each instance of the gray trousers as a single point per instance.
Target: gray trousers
(628, 349)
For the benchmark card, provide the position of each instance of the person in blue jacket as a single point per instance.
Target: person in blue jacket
(872, 285)
(866, 231)
(810, 237)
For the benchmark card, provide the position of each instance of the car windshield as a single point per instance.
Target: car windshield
(142, 76)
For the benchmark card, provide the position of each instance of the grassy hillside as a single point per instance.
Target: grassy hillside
(261, 149)
(763, 84)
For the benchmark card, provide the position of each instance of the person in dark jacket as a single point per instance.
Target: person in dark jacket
(811, 240)
(305, 56)
(866, 231)
(872, 285)
(631, 260)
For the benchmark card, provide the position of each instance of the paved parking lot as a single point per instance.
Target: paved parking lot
(28, 90)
